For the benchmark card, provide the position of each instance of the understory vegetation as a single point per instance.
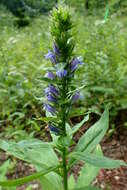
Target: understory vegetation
(63, 79)
(103, 46)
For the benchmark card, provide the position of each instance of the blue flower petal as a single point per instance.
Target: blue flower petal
(50, 55)
(50, 109)
(50, 75)
(61, 73)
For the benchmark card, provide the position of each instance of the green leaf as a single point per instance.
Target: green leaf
(72, 130)
(94, 135)
(77, 112)
(98, 161)
(88, 142)
(79, 125)
(32, 151)
(26, 179)
(51, 181)
(3, 169)
(68, 129)
(86, 188)
(106, 14)
(102, 89)
(36, 152)
(88, 172)
(71, 182)
(34, 124)
(47, 119)
(77, 89)
(45, 79)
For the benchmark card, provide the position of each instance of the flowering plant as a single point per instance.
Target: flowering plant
(54, 161)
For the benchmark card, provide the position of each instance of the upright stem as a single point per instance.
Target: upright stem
(65, 180)
(65, 170)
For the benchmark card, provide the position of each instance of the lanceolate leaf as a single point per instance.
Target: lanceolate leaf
(3, 169)
(94, 135)
(88, 172)
(47, 119)
(26, 179)
(32, 151)
(36, 152)
(98, 161)
(72, 130)
(79, 125)
(87, 175)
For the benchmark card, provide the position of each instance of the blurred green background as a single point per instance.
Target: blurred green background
(101, 28)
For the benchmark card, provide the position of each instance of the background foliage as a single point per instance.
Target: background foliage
(102, 44)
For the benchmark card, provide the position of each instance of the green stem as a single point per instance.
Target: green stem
(64, 159)
(65, 170)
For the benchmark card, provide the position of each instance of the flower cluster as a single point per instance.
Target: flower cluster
(59, 93)
(53, 92)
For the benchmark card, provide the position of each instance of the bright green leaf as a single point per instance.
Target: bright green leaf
(71, 182)
(4, 169)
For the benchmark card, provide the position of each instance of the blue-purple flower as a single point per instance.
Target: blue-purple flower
(53, 129)
(51, 98)
(61, 73)
(74, 64)
(75, 97)
(51, 89)
(50, 109)
(50, 55)
(50, 75)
